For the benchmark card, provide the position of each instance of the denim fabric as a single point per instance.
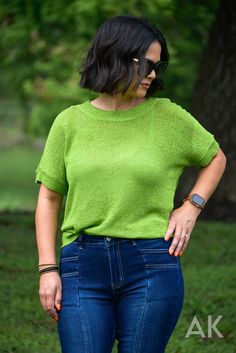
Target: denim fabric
(128, 289)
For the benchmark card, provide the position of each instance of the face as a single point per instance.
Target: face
(153, 53)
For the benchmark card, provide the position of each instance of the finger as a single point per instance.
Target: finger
(170, 230)
(180, 244)
(58, 299)
(52, 313)
(43, 300)
(50, 305)
(185, 244)
(175, 240)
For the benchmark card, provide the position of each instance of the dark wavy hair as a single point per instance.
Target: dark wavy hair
(108, 67)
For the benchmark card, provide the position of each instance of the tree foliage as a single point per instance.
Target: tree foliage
(42, 43)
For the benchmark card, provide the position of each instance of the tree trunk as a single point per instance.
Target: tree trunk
(214, 106)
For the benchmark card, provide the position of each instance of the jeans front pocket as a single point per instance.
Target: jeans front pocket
(69, 273)
(164, 273)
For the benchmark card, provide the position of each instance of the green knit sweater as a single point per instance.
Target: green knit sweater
(119, 169)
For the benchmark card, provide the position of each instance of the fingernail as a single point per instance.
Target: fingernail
(58, 306)
(181, 253)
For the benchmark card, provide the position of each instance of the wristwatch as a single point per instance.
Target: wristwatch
(196, 200)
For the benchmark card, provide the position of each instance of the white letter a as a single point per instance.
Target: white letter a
(199, 332)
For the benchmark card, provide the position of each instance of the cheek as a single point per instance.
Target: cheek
(135, 79)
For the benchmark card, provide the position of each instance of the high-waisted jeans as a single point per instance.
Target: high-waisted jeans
(131, 290)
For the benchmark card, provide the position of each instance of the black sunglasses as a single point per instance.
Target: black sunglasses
(159, 67)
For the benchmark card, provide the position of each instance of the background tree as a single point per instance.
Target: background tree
(41, 44)
(214, 104)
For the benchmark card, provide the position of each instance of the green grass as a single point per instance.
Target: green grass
(210, 289)
(18, 190)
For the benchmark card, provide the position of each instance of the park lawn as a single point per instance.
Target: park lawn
(210, 282)
(18, 190)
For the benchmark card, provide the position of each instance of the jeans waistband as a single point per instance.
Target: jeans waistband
(85, 238)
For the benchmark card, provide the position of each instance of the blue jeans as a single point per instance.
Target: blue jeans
(128, 289)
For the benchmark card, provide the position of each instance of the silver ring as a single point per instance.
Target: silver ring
(184, 235)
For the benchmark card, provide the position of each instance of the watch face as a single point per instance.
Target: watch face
(198, 199)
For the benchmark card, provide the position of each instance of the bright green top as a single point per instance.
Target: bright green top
(119, 169)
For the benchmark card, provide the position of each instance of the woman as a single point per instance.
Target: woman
(117, 159)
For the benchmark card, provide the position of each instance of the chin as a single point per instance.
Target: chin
(140, 93)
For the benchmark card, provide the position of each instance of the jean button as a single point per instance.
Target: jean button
(108, 238)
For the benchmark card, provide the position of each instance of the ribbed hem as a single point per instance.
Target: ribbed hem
(118, 115)
(210, 153)
(50, 182)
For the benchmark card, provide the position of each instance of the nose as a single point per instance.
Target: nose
(152, 75)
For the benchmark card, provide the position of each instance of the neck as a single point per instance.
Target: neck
(119, 102)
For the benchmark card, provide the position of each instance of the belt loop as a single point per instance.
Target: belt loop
(80, 240)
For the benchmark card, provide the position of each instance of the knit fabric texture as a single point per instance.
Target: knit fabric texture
(119, 170)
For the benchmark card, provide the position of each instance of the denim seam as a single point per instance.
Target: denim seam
(154, 250)
(178, 297)
(70, 274)
(162, 265)
(145, 269)
(139, 329)
(120, 284)
(69, 258)
(109, 261)
(85, 328)
(120, 265)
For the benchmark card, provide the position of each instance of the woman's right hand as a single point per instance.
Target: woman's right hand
(50, 289)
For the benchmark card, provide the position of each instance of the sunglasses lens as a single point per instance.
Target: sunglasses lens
(161, 67)
(158, 67)
(148, 65)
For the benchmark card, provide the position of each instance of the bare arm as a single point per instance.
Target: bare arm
(182, 219)
(209, 177)
(46, 225)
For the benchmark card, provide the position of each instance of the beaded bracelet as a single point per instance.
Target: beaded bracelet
(49, 269)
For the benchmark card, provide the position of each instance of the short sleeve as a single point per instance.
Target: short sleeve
(198, 145)
(51, 169)
(204, 145)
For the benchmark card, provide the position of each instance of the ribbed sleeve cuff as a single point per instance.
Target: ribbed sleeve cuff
(50, 182)
(210, 153)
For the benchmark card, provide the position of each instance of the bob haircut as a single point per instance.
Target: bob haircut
(109, 66)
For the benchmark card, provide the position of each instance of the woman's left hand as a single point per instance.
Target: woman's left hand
(181, 221)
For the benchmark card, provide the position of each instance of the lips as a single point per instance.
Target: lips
(146, 85)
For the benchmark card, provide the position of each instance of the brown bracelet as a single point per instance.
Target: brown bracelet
(49, 269)
(47, 272)
(45, 264)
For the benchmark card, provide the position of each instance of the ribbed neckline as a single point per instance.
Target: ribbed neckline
(118, 115)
